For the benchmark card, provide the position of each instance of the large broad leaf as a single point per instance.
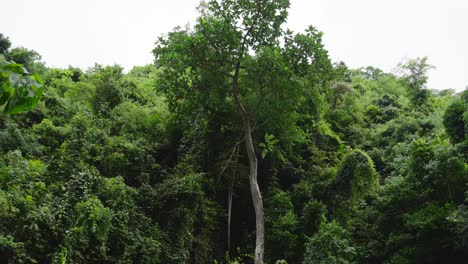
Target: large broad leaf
(18, 90)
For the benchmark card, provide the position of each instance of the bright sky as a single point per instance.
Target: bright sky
(360, 32)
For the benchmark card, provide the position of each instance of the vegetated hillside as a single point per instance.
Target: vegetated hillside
(149, 166)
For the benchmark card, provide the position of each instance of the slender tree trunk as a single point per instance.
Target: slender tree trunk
(253, 161)
(229, 218)
(255, 191)
(230, 196)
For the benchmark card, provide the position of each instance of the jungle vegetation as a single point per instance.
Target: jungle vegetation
(242, 143)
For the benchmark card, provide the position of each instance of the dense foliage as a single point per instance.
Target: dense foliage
(149, 166)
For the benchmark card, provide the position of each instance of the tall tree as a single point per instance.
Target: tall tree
(415, 77)
(233, 56)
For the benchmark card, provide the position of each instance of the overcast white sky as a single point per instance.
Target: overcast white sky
(360, 32)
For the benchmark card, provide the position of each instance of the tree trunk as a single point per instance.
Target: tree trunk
(255, 191)
(253, 162)
(229, 218)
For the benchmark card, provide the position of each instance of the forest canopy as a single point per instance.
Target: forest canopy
(243, 142)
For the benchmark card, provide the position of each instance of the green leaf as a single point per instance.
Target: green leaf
(19, 92)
